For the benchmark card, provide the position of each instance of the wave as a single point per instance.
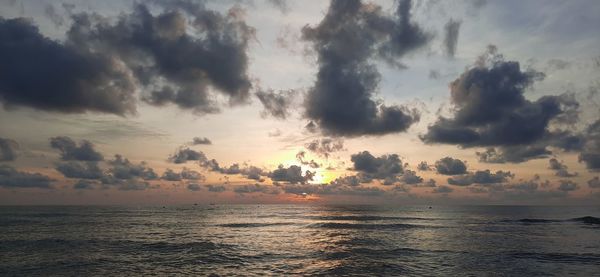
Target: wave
(130, 245)
(587, 220)
(364, 218)
(578, 258)
(335, 225)
(584, 219)
(253, 225)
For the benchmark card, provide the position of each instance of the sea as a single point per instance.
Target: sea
(299, 240)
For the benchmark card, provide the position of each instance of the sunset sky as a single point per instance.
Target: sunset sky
(391, 102)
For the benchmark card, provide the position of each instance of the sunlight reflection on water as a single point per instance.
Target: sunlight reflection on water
(298, 239)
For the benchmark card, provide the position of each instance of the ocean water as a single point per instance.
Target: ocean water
(258, 240)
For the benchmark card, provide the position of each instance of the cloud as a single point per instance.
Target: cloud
(352, 181)
(51, 13)
(194, 187)
(429, 184)
(442, 189)
(276, 104)
(41, 73)
(560, 169)
(82, 170)
(451, 31)
(423, 166)
(201, 141)
(123, 169)
(11, 178)
(481, 177)
(567, 185)
(250, 172)
(185, 174)
(341, 102)
(490, 110)
(450, 166)
(275, 133)
(8, 150)
(513, 154)
(300, 156)
(84, 185)
(590, 154)
(338, 188)
(282, 5)
(134, 185)
(256, 188)
(70, 151)
(186, 55)
(410, 177)
(385, 166)
(594, 183)
(291, 174)
(188, 174)
(171, 175)
(215, 188)
(530, 190)
(324, 147)
(184, 155)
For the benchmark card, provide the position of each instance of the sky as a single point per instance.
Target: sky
(375, 102)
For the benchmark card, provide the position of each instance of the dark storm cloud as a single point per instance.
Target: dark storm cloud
(594, 183)
(12, 178)
(41, 73)
(324, 147)
(560, 169)
(123, 169)
(8, 150)
(103, 62)
(481, 177)
(276, 104)
(490, 109)
(450, 166)
(291, 174)
(184, 155)
(215, 188)
(175, 66)
(70, 151)
(451, 31)
(82, 170)
(381, 168)
(590, 154)
(341, 101)
(201, 141)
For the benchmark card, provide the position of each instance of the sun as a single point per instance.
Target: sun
(322, 176)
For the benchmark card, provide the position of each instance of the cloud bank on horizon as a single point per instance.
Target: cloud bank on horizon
(272, 101)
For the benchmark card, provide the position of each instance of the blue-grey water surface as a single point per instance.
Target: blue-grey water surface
(253, 240)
